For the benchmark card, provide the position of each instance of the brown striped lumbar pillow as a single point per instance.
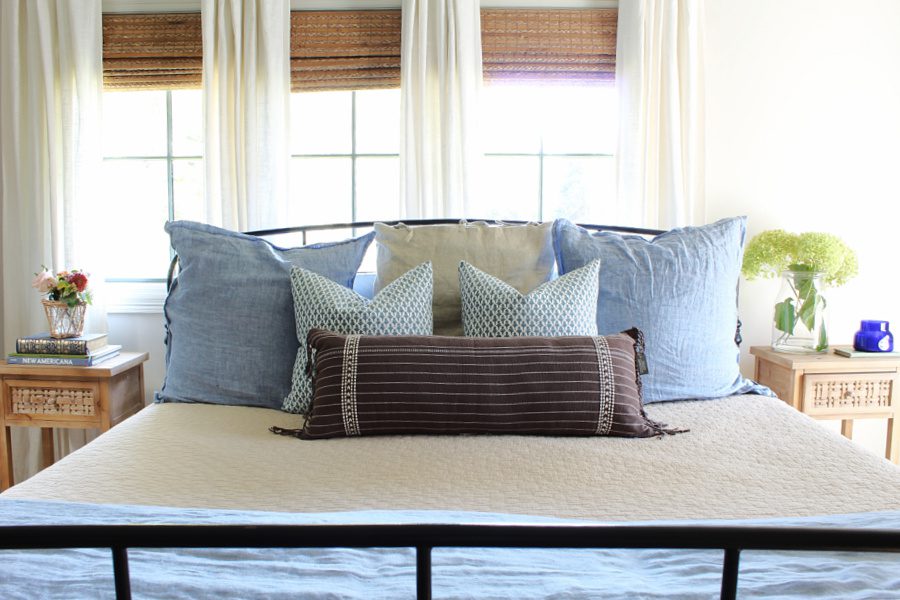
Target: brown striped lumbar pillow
(371, 385)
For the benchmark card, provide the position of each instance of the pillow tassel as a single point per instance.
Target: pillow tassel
(662, 429)
(640, 368)
(284, 431)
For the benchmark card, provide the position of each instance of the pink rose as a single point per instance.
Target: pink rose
(44, 282)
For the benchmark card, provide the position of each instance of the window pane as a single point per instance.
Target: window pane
(133, 213)
(321, 123)
(578, 188)
(378, 189)
(187, 188)
(134, 124)
(320, 191)
(511, 189)
(511, 119)
(378, 122)
(292, 240)
(580, 120)
(187, 123)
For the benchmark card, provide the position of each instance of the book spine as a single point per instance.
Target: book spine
(45, 360)
(55, 346)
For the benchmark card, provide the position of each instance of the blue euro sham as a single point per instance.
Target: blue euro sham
(230, 334)
(680, 289)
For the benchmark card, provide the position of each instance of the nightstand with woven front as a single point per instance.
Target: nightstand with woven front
(42, 396)
(829, 386)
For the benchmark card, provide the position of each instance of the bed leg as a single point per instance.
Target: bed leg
(120, 573)
(730, 573)
(423, 572)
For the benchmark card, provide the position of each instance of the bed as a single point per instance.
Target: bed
(217, 506)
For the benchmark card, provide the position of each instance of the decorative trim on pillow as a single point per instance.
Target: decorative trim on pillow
(573, 386)
(564, 306)
(402, 308)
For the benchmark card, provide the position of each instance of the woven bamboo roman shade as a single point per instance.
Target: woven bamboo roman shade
(345, 50)
(574, 46)
(355, 50)
(152, 51)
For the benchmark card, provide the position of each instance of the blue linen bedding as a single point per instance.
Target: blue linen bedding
(457, 572)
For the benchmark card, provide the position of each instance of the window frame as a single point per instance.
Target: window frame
(353, 155)
(138, 295)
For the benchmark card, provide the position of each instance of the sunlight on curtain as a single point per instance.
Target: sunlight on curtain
(659, 74)
(246, 84)
(50, 91)
(440, 83)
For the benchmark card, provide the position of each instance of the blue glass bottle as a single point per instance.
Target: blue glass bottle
(874, 336)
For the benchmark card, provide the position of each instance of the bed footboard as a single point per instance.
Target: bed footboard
(731, 539)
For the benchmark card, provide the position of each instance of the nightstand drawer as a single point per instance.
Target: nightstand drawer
(51, 401)
(843, 393)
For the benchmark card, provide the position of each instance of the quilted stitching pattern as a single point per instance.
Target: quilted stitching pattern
(738, 462)
(402, 308)
(564, 306)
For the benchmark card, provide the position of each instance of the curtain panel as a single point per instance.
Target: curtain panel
(246, 94)
(440, 85)
(660, 82)
(50, 94)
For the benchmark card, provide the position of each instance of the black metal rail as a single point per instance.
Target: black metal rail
(731, 539)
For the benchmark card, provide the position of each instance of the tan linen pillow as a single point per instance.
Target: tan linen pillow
(520, 255)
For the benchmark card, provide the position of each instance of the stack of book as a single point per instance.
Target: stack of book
(82, 351)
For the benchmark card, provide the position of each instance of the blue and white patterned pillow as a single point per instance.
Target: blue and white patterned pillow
(564, 306)
(402, 308)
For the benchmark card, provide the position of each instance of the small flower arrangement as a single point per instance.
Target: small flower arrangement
(66, 286)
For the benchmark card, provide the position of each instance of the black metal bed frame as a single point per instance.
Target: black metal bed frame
(424, 538)
(731, 539)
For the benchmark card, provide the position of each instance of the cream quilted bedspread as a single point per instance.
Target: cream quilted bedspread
(745, 457)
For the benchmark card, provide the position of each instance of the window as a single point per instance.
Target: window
(152, 172)
(345, 156)
(549, 151)
(549, 111)
(549, 128)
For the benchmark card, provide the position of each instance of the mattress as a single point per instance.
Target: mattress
(744, 457)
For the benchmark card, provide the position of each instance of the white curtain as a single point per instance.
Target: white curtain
(439, 84)
(659, 75)
(246, 89)
(50, 96)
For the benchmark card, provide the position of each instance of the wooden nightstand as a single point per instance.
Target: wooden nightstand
(828, 386)
(75, 397)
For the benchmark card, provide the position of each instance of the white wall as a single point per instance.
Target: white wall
(142, 332)
(803, 134)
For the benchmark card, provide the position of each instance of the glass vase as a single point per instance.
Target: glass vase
(65, 321)
(798, 323)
